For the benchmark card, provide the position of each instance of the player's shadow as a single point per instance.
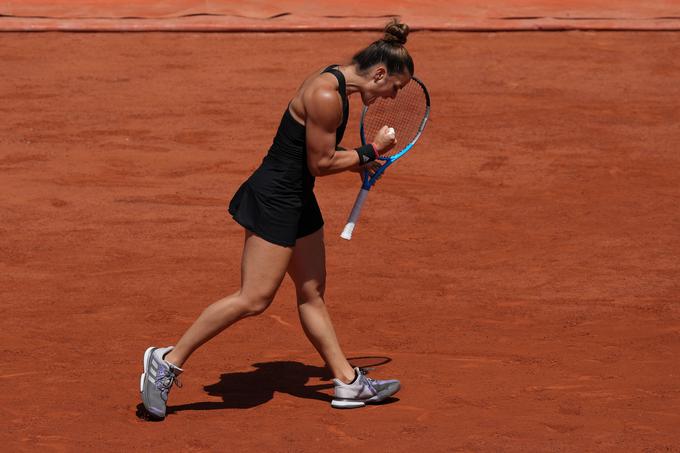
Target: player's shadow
(243, 390)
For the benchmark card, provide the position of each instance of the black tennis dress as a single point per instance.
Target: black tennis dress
(277, 202)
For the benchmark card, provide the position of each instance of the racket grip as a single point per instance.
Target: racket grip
(354, 215)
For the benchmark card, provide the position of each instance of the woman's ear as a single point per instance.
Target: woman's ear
(379, 73)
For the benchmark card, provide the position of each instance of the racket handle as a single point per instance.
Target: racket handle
(354, 215)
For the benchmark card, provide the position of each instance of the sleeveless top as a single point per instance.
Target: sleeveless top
(289, 149)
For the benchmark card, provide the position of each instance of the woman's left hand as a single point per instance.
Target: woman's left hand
(370, 169)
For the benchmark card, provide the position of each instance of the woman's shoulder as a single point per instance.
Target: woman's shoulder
(320, 84)
(318, 95)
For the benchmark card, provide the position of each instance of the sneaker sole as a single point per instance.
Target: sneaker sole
(147, 354)
(351, 404)
(143, 381)
(344, 404)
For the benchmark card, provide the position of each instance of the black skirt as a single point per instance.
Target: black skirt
(277, 204)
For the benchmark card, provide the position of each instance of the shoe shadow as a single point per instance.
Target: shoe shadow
(142, 414)
(244, 390)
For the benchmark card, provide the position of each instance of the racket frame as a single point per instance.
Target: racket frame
(368, 181)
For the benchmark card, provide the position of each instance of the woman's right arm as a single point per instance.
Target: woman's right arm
(324, 113)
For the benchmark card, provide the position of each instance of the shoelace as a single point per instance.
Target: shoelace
(166, 378)
(371, 382)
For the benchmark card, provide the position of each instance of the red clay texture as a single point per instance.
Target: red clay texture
(321, 15)
(518, 270)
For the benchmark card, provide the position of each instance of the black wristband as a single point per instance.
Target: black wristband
(366, 154)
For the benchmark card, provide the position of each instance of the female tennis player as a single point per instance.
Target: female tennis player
(283, 224)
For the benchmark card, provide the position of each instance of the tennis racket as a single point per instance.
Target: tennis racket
(407, 114)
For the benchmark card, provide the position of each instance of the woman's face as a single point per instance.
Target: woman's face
(383, 85)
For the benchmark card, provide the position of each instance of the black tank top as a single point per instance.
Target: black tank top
(289, 148)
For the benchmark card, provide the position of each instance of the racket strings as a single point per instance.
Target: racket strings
(405, 113)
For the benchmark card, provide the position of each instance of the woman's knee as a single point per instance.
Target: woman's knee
(253, 305)
(311, 291)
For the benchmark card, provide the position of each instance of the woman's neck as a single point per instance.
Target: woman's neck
(353, 81)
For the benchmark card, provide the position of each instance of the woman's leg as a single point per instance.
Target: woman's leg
(307, 268)
(263, 267)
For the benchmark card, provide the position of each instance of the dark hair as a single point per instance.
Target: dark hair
(389, 51)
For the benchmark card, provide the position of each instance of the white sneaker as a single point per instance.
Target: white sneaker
(362, 391)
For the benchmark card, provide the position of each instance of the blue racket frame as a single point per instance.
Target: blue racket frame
(370, 180)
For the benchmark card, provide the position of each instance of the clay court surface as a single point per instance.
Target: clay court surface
(520, 268)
